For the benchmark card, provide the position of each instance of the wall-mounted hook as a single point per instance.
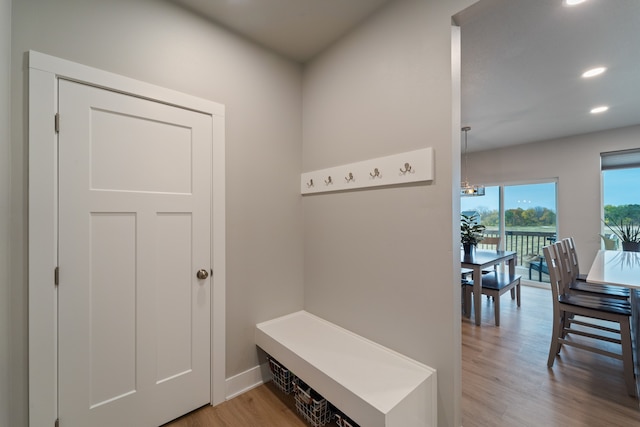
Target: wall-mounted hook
(407, 168)
(397, 169)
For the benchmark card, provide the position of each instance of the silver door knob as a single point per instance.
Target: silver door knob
(202, 274)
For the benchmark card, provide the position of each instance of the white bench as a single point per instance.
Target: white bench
(373, 385)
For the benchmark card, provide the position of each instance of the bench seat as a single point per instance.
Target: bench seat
(373, 385)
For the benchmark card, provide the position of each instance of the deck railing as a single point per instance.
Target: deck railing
(525, 243)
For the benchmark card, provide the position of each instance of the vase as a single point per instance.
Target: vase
(468, 248)
(631, 246)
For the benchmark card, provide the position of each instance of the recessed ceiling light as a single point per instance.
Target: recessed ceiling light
(573, 2)
(601, 109)
(594, 72)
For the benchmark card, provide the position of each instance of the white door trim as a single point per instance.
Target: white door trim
(44, 72)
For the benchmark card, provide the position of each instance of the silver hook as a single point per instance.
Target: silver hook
(310, 183)
(328, 181)
(376, 173)
(349, 177)
(407, 168)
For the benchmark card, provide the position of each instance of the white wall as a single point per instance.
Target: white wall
(5, 197)
(380, 262)
(163, 44)
(575, 162)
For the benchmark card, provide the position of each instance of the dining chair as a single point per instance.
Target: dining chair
(494, 284)
(571, 248)
(466, 276)
(490, 243)
(578, 283)
(588, 327)
(494, 242)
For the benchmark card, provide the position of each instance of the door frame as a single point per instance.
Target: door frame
(44, 73)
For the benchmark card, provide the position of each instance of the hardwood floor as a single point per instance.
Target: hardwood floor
(264, 406)
(505, 380)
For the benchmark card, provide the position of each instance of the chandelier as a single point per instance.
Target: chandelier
(466, 189)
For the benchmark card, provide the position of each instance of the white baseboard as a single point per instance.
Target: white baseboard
(535, 284)
(245, 381)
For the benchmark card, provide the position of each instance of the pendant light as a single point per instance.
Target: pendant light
(466, 189)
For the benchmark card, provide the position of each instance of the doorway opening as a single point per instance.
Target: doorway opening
(524, 217)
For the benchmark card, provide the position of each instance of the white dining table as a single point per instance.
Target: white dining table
(621, 268)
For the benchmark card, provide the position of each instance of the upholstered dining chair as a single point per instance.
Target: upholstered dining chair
(584, 331)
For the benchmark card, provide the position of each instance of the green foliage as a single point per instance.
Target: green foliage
(623, 221)
(532, 217)
(489, 218)
(539, 216)
(470, 230)
(615, 214)
(625, 230)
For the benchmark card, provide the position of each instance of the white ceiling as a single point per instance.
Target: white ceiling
(521, 59)
(297, 29)
(521, 67)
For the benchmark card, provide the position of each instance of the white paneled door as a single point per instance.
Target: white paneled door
(134, 259)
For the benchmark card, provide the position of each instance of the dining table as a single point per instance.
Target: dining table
(477, 260)
(621, 268)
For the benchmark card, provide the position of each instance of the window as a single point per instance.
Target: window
(530, 218)
(524, 216)
(620, 199)
(487, 207)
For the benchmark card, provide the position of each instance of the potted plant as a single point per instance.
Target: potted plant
(628, 232)
(470, 232)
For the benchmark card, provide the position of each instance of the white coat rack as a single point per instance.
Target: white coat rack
(403, 168)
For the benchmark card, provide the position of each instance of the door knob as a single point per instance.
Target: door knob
(202, 274)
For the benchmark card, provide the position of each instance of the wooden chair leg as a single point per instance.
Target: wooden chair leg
(554, 348)
(467, 301)
(496, 307)
(627, 357)
(518, 294)
(565, 321)
(564, 324)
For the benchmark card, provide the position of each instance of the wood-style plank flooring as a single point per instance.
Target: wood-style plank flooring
(264, 406)
(505, 380)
